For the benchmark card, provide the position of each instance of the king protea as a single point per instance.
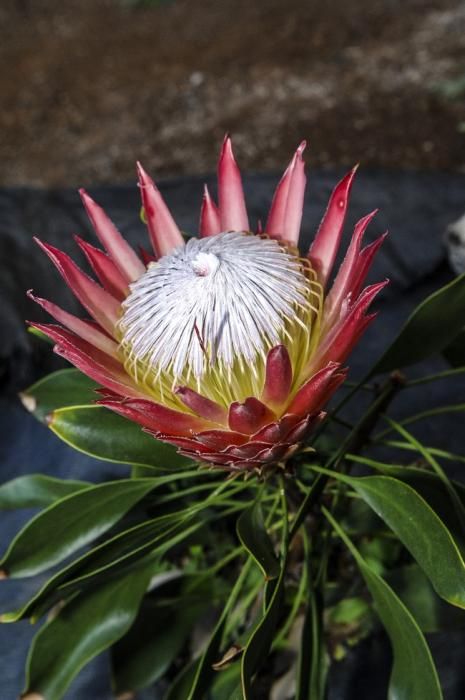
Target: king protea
(228, 345)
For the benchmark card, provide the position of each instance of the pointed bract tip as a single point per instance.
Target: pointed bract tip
(301, 148)
(227, 149)
(144, 178)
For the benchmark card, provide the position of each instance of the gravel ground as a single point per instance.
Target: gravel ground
(89, 86)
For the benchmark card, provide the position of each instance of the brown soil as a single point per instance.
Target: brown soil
(89, 86)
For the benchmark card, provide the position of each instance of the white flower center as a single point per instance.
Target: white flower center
(215, 300)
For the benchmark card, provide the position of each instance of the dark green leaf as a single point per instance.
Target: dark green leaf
(198, 683)
(71, 523)
(163, 623)
(432, 489)
(432, 327)
(312, 664)
(36, 491)
(179, 689)
(155, 536)
(413, 675)
(431, 613)
(67, 387)
(119, 553)
(227, 684)
(105, 435)
(83, 629)
(261, 639)
(455, 351)
(252, 533)
(418, 527)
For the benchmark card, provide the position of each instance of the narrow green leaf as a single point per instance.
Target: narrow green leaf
(154, 536)
(261, 638)
(83, 629)
(71, 523)
(455, 351)
(420, 530)
(119, 553)
(252, 533)
(203, 671)
(431, 327)
(432, 489)
(163, 624)
(431, 612)
(36, 491)
(227, 684)
(67, 387)
(455, 500)
(100, 433)
(312, 665)
(413, 675)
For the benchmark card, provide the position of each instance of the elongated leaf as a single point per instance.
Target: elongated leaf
(179, 689)
(252, 533)
(432, 489)
(67, 387)
(70, 524)
(98, 432)
(194, 683)
(36, 490)
(432, 327)
(431, 612)
(455, 352)
(418, 527)
(162, 625)
(117, 554)
(84, 628)
(261, 639)
(413, 675)
(154, 536)
(227, 684)
(312, 664)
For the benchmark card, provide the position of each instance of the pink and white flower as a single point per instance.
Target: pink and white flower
(228, 345)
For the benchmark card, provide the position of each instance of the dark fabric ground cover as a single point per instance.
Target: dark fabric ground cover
(416, 208)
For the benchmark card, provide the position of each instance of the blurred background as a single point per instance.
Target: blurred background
(88, 86)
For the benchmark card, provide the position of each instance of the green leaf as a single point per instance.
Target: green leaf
(83, 629)
(195, 681)
(312, 665)
(420, 530)
(153, 537)
(413, 675)
(455, 351)
(432, 489)
(252, 533)
(100, 433)
(164, 621)
(36, 491)
(431, 613)
(261, 638)
(67, 387)
(431, 327)
(71, 523)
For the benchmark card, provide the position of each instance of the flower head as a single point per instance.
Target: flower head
(227, 345)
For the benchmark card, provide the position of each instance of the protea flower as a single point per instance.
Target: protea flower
(226, 345)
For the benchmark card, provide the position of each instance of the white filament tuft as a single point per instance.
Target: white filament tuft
(215, 300)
